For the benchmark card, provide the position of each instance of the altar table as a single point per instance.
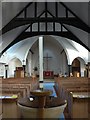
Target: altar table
(48, 74)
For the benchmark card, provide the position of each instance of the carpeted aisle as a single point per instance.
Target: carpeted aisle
(50, 86)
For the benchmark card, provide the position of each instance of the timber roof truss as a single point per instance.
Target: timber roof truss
(48, 19)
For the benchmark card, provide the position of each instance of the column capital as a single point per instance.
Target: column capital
(6, 66)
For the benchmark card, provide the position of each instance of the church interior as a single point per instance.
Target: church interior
(44, 60)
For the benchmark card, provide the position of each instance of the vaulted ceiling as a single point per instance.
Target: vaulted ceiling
(23, 20)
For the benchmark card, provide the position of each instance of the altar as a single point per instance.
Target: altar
(48, 74)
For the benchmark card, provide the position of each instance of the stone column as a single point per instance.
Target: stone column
(69, 69)
(6, 71)
(41, 62)
(24, 66)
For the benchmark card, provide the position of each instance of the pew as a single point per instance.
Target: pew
(9, 106)
(12, 86)
(78, 107)
(66, 88)
(21, 83)
(0, 109)
(27, 87)
(19, 92)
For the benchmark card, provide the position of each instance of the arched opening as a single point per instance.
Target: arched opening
(13, 65)
(54, 57)
(78, 67)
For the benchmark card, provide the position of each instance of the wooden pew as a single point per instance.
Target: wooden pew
(21, 83)
(19, 92)
(9, 107)
(65, 86)
(0, 109)
(20, 87)
(78, 105)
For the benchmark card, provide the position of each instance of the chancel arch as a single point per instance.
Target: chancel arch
(55, 58)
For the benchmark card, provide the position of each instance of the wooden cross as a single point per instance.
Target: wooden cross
(47, 58)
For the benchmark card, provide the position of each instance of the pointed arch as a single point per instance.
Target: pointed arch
(78, 67)
(13, 63)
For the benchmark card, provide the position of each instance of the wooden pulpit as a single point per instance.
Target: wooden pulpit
(19, 72)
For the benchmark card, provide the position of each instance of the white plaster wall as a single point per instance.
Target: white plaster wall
(68, 48)
(53, 49)
(2, 70)
(73, 50)
(8, 37)
(19, 50)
